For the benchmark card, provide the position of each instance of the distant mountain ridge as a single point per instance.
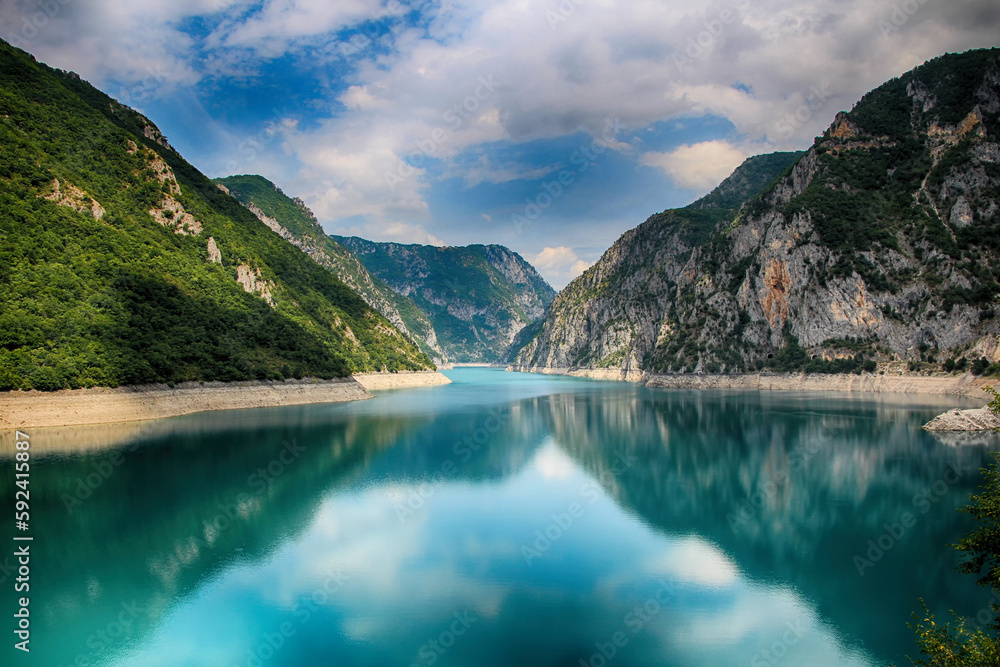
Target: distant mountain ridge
(293, 220)
(463, 304)
(880, 244)
(477, 297)
(122, 264)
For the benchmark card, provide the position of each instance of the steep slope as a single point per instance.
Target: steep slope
(122, 264)
(477, 297)
(881, 242)
(293, 221)
(755, 174)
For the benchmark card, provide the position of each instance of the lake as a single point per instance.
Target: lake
(505, 519)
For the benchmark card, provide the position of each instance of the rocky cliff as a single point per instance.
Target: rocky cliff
(478, 298)
(293, 221)
(880, 243)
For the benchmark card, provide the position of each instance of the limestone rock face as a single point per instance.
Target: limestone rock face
(214, 254)
(169, 212)
(67, 194)
(254, 283)
(882, 239)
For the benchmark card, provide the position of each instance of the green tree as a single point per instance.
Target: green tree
(959, 642)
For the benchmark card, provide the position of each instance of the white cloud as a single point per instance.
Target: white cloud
(699, 166)
(602, 63)
(693, 560)
(280, 21)
(559, 265)
(475, 72)
(552, 462)
(137, 44)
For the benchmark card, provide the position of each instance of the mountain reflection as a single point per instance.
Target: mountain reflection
(775, 493)
(176, 509)
(792, 489)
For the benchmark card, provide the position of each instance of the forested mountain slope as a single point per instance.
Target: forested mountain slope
(477, 297)
(121, 264)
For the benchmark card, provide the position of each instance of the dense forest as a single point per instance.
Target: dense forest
(122, 264)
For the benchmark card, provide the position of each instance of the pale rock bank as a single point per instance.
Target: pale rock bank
(103, 405)
(942, 385)
(968, 385)
(977, 419)
(400, 380)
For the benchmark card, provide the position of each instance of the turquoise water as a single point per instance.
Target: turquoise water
(505, 519)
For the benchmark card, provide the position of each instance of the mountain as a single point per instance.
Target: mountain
(478, 297)
(751, 177)
(880, 243)
(122, 264)
(292, 220)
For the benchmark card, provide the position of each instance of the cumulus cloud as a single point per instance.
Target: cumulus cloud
(278, 22)
(439, 83)
(559, 265)
(550, 79)
(699, 166)
(136, 44)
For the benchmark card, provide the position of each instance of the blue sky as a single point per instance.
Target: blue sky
(550, 126)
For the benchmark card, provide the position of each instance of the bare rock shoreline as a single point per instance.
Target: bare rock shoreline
(977, 419)
(102, 405)
(401, 380)
(967, 385)
(944, 385)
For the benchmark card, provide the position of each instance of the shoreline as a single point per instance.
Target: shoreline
(105, 405)
(967, 385)
(956, 424)
(400, 380)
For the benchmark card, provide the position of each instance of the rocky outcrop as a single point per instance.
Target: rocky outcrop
(73, 197)
(978, 419)
(153, 133)
(253, 283)
(214, 254)
(877, 244)
(169, 212)
(273, 224)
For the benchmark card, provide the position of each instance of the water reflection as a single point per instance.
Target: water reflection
(551, 521)
(793, 489)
